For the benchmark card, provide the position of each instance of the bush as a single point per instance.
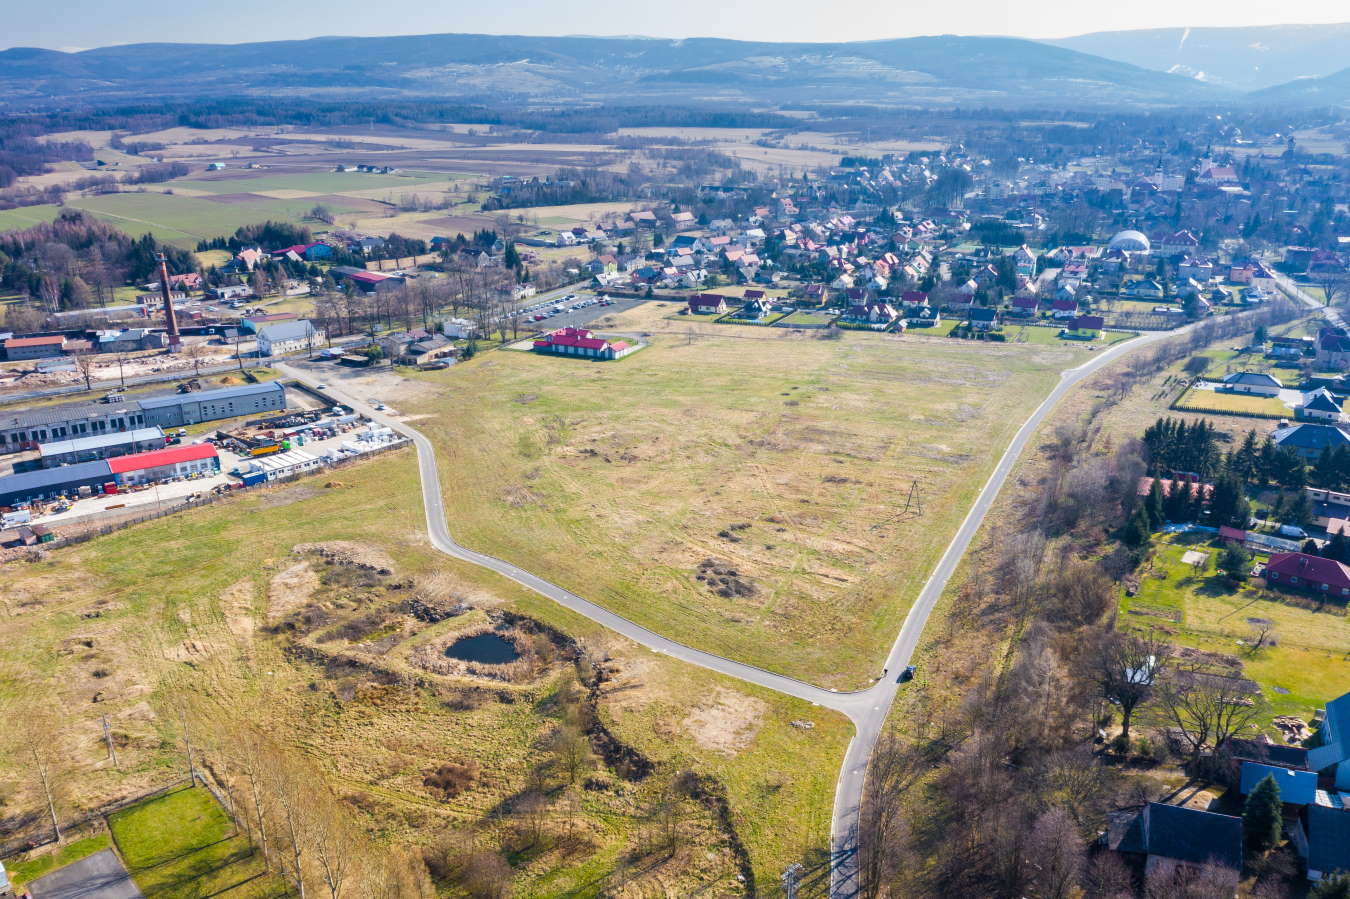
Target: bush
(452, 779)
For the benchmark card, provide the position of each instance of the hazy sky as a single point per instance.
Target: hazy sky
(73, 24)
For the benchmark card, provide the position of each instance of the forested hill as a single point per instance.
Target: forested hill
(947, 69)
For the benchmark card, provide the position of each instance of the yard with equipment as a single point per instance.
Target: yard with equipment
(758, 494)
(1300, 659)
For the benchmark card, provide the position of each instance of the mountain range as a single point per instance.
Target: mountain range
(1246, 59)
(924, 70)
(1160, 67)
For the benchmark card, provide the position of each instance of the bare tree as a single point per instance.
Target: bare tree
(1127, 668)
(1055, 855)
(195, 353)
(1207, 708)
(42, 768)
(84, 363)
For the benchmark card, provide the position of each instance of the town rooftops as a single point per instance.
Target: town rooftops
(99, 441)
(1296, 787)
(170, 455)
(1308, 568)
(220, 393)
(1252, 379)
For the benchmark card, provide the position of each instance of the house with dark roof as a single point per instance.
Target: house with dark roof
(1064, 308)
(1332, 754)
(707, 304)
(877, 315)
(1170, 836)
(1308, 440)
(1320, 405)
(1297, 788)
(1258, 383)
(1302, 573)
(1323, 835)
(1085, 327)
(1333, 349)
(1023, 307)
(922, 317)
(982, 318)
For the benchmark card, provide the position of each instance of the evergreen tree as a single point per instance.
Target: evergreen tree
(1153, 505)
(1337, 548)
(1234, 561)
(1135, 532)
(1263, 815)
(1227, 504)
(1299, 510)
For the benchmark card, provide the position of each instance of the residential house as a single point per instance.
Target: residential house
(427, 349)
(1330, 509)
(288, 337)
(459, 328)
(876, 315)
(1309, 440)
(754, 310)
(1257, 383)
(1300, 572)
(707, 304)
(1320, 405)
(1333, 349)
(583, 343)
(982, 318)
(228, 292)
(1085, 327)
(1147, 289)
(913, 298)
(1297, 788)
(1332, 754)
(1324, 835)
(922, 317)
(1025, 261)
(1179, 243)
(1064, 309)
(1172, 836)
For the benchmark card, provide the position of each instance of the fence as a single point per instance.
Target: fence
(206, 500)
(23, 844)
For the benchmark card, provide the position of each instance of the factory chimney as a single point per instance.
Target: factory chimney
(170, 317)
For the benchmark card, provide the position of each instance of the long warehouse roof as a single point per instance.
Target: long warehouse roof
(170, 455)
(99, 441)
(32, 481)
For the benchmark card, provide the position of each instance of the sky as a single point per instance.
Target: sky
(81, 24)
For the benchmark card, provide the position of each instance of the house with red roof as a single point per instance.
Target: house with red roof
(1024, 307)
(1300, 572)
(1064, 309)
(580, 342)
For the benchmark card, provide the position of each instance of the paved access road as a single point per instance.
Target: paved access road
(867, 708)
(100, 876)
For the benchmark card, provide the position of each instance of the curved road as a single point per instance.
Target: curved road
(867, 708)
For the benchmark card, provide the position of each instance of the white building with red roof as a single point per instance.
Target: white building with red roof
(582, 343)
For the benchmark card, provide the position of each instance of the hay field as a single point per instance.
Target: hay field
(738, 489)
(132, 624)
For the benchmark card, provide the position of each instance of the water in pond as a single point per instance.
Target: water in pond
(486, 648)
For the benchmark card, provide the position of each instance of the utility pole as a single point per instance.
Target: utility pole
(790, 875)
(107, 736)
(187, 741)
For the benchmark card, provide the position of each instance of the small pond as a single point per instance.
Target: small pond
(486, 648)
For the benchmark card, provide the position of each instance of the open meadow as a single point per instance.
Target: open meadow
(288, 611)
(755, 492)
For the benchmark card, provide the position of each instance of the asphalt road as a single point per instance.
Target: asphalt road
(100, 876)
(867, 708)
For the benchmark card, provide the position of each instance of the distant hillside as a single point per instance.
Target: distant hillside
(1331, 90)
(998, 71)
(1245, 59)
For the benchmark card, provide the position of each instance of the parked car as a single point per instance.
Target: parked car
(906, 675)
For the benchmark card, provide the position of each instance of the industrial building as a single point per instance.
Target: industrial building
(26, 429)
(49, 483)
(18, 348)
(100, 446)
(281, 465)
(162, 464)
(288, 337)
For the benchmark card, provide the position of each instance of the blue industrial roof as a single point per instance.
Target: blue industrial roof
(1296, 787)
(1328, 839)
(99, 441)
(220, 393)
(48, 478)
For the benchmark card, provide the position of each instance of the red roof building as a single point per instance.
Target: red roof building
(580, 342)
(1314, 574)
(170, 462)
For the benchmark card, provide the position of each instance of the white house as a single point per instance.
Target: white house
(288, 337)
(459, 328)
(1252, 382)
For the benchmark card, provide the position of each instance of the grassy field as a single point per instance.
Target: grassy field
(183, 845)
(784, 460)
(27, 217)
(1309, 664)
(25, 869)
(178, 607)
(807, 318)
(314, 183)
(1194, 400)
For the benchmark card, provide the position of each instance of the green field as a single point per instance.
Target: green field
(27, 217)
(314, 182)
(1306, 667)
(807, 318)
(1223, 403)
(787, 461)
(182, 845)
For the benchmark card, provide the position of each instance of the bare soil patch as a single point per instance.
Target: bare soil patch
(727, 723)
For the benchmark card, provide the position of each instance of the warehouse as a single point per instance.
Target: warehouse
(174, 410)
(100, 446)
(50, 483)
(163, 464)
(282, 465)
(26, 428)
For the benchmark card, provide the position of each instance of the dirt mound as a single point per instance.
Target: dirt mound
(727, 723)
(289, 590)
(349, 552)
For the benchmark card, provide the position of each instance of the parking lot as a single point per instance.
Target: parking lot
(583, 308)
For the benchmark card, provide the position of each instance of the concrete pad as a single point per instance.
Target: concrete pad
(1194, 557)
(100, 876)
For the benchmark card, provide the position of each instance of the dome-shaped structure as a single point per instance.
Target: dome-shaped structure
(1130, 241)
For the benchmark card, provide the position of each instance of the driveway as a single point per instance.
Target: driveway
(100, 876)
